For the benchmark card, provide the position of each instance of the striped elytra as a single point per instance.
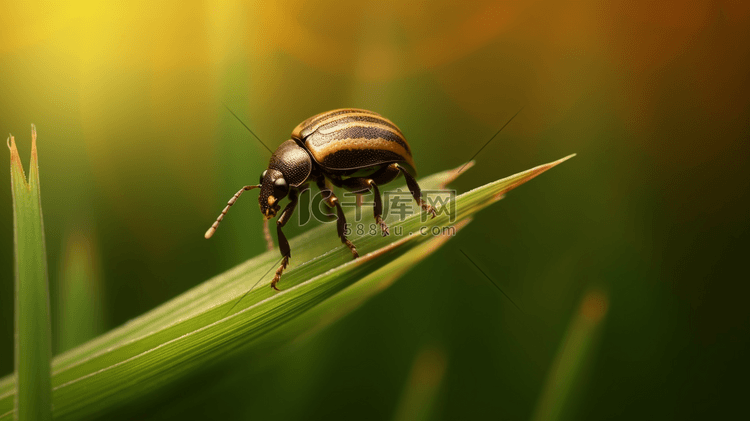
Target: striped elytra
(351, 138)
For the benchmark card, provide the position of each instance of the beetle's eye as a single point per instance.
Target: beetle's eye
(262, 176)
(280, 188)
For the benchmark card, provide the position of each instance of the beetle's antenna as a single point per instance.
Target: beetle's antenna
(215, 225)
(490, 279)
(267, 235)
(248, 129)
(488, 142)
(251, 288)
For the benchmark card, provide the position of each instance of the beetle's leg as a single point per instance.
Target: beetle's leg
(385, 175)
(286, 252)
(360, 185)
(323, 189)
(378, 208)
(332, 201)
(415, 190)
(341, 225)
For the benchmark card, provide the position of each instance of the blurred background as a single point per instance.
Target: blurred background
(626, 262)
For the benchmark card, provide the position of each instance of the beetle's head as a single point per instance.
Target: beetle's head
(273, 189)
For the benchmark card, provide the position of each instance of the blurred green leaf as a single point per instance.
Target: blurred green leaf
(79, 312)
(575, 348)
(194, 329)
(422, 386)
(33, 335)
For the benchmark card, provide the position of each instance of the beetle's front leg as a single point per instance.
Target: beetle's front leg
(286, 252)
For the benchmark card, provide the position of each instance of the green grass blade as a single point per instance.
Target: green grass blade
(420, 393)
(356, 294)
(79, 313)
(33, 337)
(193, 330)
(575, 348)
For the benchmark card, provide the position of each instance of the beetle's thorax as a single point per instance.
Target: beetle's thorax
(293, 161)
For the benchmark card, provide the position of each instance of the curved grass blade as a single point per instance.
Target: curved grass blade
(422, 385)
(575, 348)
(193, 330)
(33, 336)
(79, 313)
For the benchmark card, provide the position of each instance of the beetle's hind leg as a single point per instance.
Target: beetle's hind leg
(416, 192)
(286, 251)
(361, 185)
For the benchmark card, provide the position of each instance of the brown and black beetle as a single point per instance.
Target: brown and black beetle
(355, 149)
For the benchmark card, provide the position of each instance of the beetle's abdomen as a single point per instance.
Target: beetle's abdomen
(352, 138)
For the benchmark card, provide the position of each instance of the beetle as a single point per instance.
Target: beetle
(351, 148)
